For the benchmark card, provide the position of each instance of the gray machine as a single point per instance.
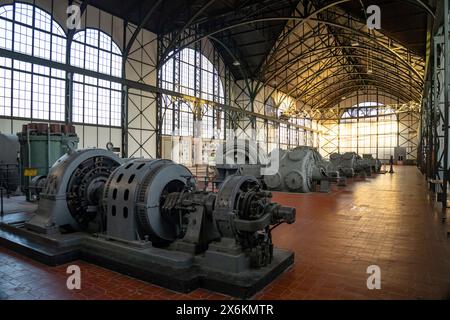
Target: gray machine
(333, 174)
(9, 164)
(374, 163)
(239, 157)
(299, 171)
(146, 218)
(350, 164)
(72, 190)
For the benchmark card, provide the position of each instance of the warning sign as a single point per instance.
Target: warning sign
(30, 172)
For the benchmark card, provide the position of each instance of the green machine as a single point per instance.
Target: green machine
(41, 145)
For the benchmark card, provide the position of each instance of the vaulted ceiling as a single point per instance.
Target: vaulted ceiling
(317, 51)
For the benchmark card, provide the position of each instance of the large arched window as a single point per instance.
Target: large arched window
(96, 101)
(30, 90)
(191, 73)
(369, 128)
(361, 110)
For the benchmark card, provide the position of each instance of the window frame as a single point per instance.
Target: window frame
(50, 81)
(83, 110)
(192, 82)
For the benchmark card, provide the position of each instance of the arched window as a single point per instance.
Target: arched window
(96, 101)
(30, 90)
(191, 73)
(369, 128)
(361, 110)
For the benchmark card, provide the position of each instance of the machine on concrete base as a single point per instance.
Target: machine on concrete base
(146, 218)
(350, 164)
(374, 163)
(300, 170)
(297, 170)
(239, 157)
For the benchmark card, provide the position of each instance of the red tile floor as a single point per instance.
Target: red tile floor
(387, 221)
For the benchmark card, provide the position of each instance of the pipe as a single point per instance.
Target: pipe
(29, 162)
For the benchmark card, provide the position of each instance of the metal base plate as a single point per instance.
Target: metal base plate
(170, 269)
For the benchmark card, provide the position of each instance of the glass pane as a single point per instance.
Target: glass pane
(5, 92)
(41, 97)
(58, 89)
(6, 34)
(23, 39)
(21, 94)
(42, 20)
(24, 13)
(100, 101)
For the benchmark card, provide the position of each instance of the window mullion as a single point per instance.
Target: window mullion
(12, 66)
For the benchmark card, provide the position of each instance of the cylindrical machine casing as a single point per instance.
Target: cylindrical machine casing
(350, 163)
(69, 171)
(298, 168)
(132, 195)
(41, 146)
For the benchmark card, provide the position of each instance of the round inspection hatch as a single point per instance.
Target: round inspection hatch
(293, 180)
(273, 181)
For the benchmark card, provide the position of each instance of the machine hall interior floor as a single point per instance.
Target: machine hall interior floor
(387, 220)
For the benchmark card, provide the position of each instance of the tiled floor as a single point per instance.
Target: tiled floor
(387, 221)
